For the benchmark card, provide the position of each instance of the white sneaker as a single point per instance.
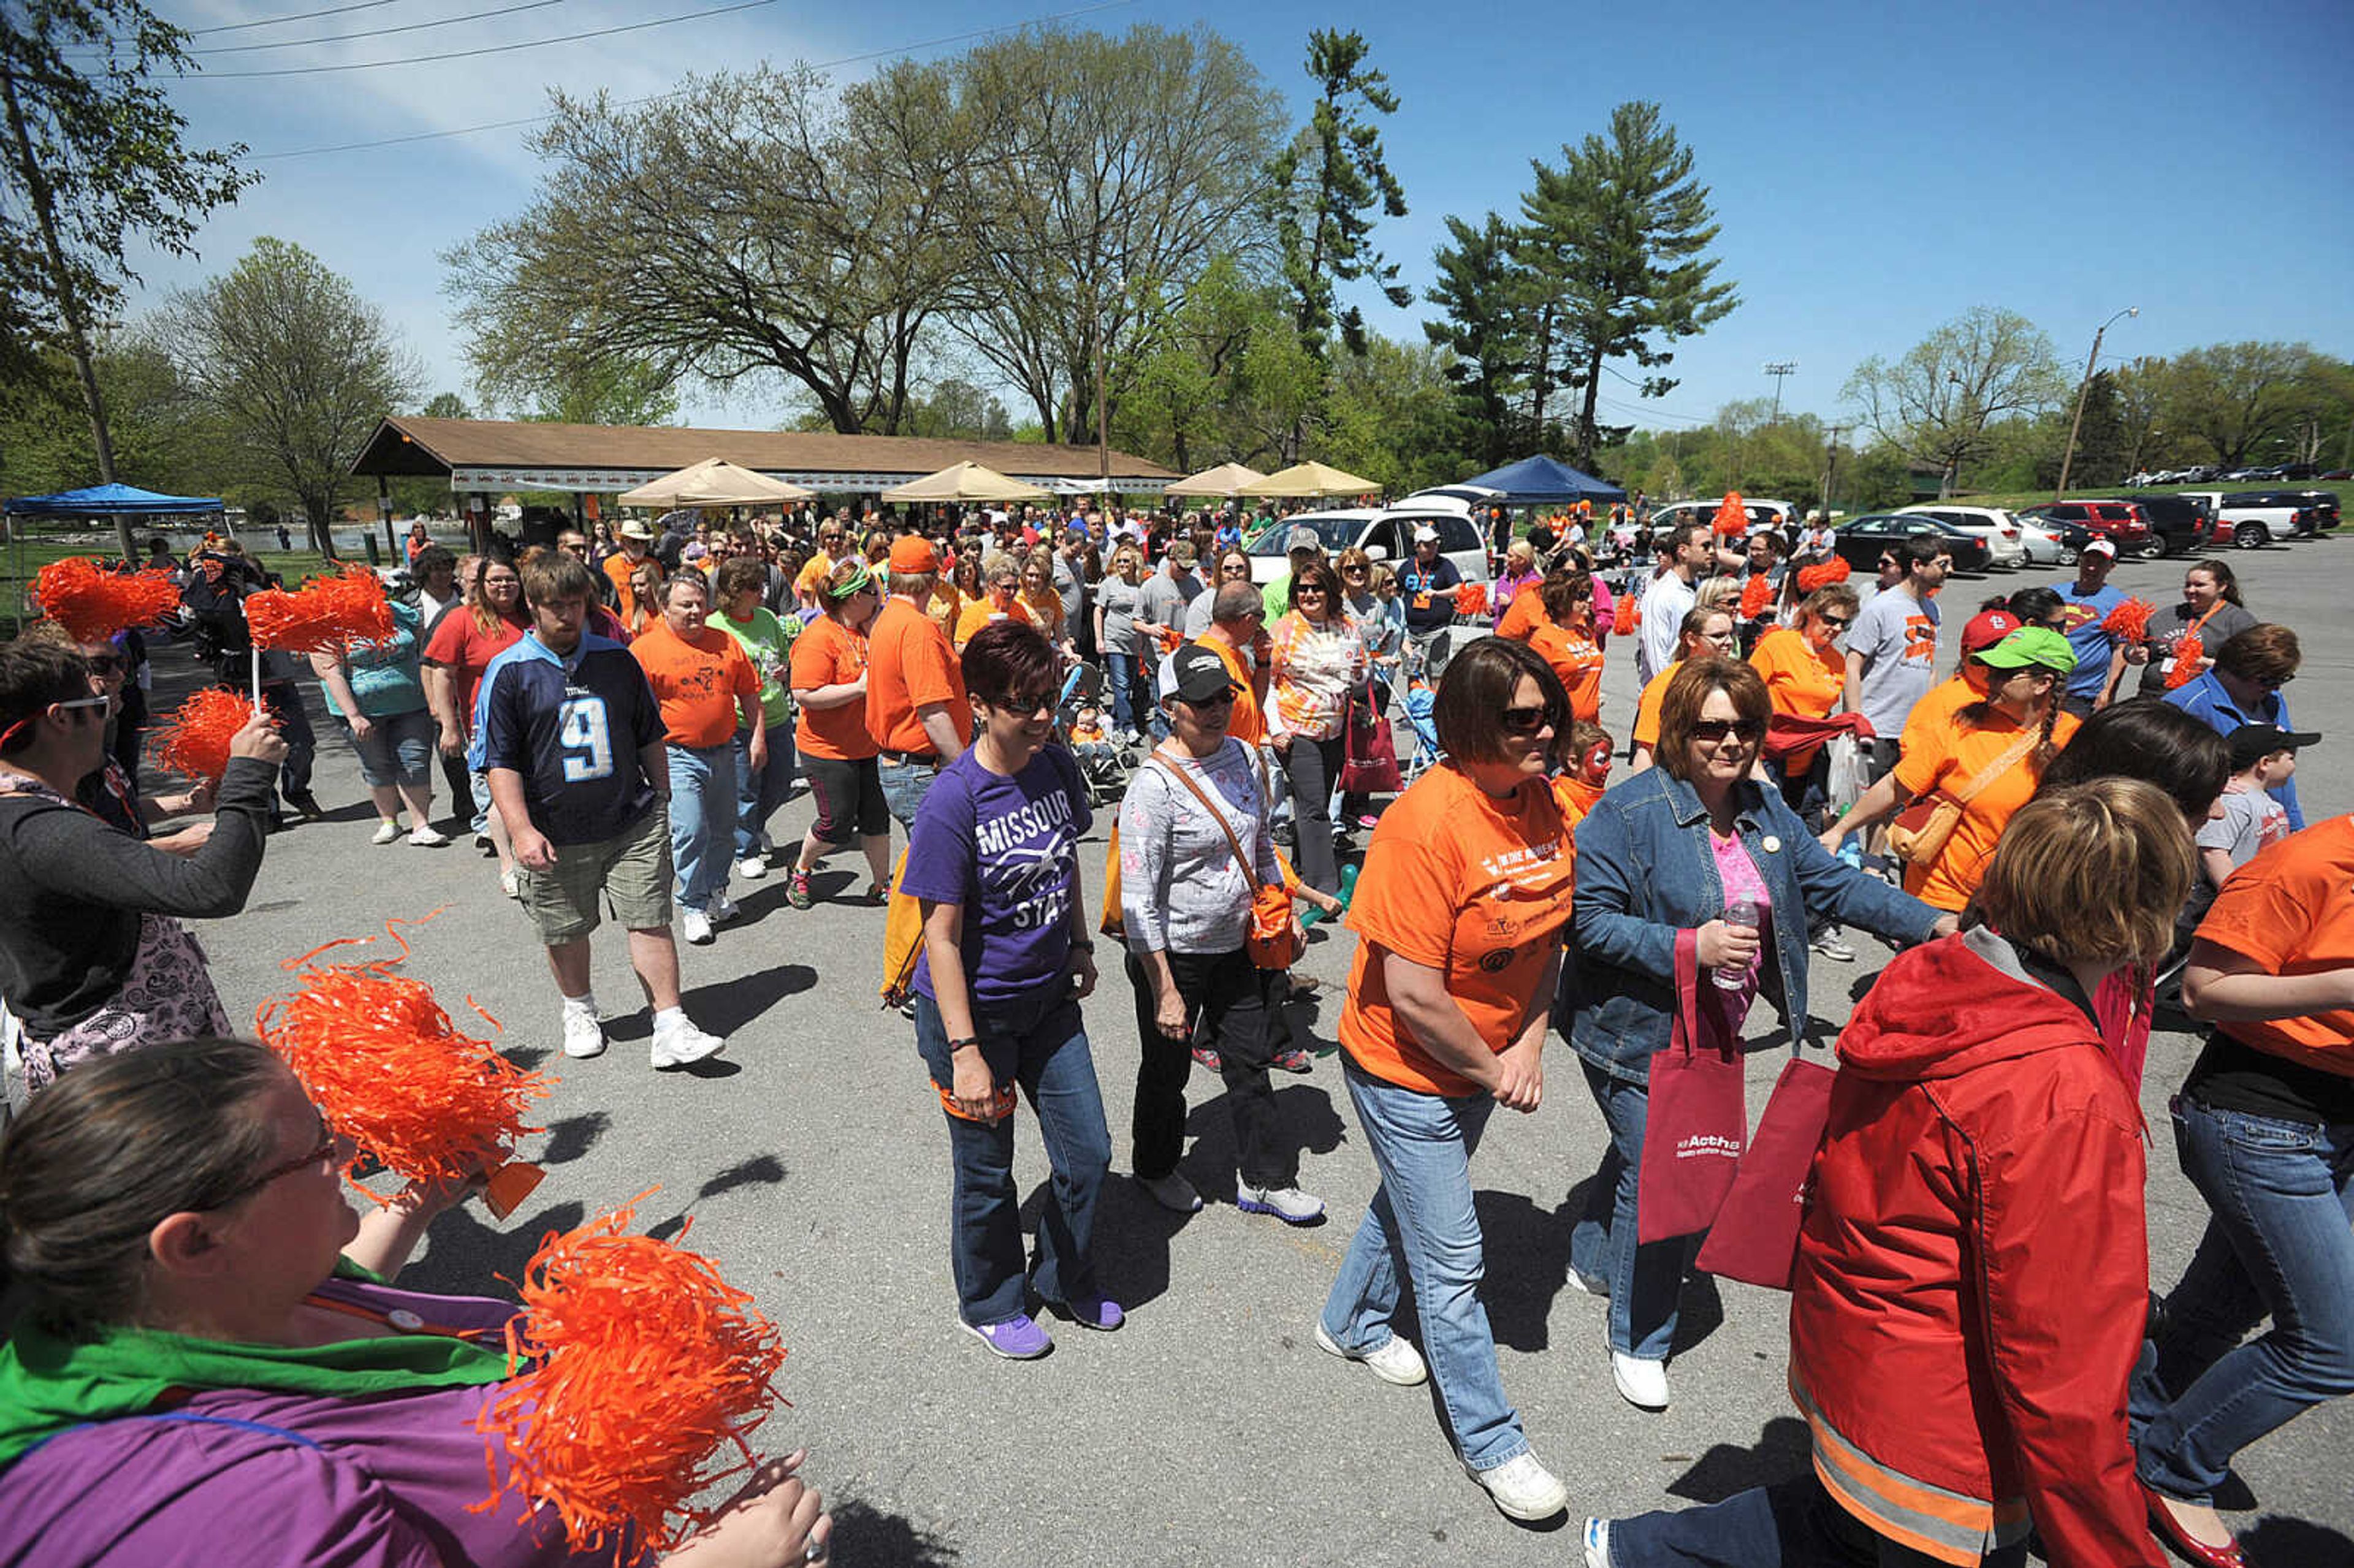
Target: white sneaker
(676, 1044)
(1642, 1383)
(1290, 1205)
(425, 835)
(752, 870)
(722, 908)
(1173, 1192)
(583, 1035)
(1394, 1362)
(1522, 1488)
(696, 926)
(385, 832)
(1597, 1543)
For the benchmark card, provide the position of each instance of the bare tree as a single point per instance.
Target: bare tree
(1935, 404)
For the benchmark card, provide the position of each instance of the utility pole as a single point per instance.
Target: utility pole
(1779, 369)
(1831, 467)
(2068, 453)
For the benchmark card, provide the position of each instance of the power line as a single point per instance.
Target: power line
(379, 32)
(658, 97)
(487, 49)
(278, 21)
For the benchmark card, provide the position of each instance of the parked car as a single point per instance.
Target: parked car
(2322, 504)
(2051, 542)
(2179, 522)
(1384, 533)
(1779, 515)
(1862, 540)
(2121, 522)
(2246, 525)
(1996, 526)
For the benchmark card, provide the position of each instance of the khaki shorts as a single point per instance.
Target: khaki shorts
(633, 871)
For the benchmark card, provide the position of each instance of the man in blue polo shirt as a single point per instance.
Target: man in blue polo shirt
(572, 741)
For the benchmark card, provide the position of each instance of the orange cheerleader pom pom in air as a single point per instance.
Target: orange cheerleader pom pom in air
(1732, 516)
(1471, 599)
(384, 1065)
(194, 742)
(93, 604)
(323, 615)
(1756, 597)
(1824, 574)
(2129, 622)
(649, 1364)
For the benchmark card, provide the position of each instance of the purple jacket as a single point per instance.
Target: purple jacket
(265, 1480)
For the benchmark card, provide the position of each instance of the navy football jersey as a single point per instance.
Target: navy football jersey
(574, 730)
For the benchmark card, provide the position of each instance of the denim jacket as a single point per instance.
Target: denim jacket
(1645, 871)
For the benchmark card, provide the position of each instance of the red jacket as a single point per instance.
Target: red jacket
(1972, 1276)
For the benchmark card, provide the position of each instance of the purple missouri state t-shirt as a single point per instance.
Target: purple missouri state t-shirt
(1007, 850)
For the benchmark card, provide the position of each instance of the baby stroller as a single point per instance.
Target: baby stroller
(1103, 766)
(1420, 705)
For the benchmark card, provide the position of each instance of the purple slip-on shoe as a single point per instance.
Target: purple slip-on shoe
(1019, 1338)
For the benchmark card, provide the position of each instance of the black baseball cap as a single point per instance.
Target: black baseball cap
(1195, 674)
(2252, 743)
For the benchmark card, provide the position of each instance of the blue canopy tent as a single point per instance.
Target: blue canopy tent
(1542, 482)
(118, 502)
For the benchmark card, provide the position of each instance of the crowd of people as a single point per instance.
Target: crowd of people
(2052, 849)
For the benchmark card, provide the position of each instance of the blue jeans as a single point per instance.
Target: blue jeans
(1791, 1524)
(759, 794)
(1040, 1044)
(904, 785)
(1120, 671)
(702, 805)
(2280, 1240)
(1422, 1223)
(1644, 1280)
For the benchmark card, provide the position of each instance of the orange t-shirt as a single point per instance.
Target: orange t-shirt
(810, 583)
(828, 653)
(1648, 705)
(944, 604)
(697, 681)
(1935, 711)
(1245, 723)
(1799, 680)
(617, 567)
(908, 664)
(1578, 663)
(1576, 798)
(1947, 758)
(980, 611)
(1523, 615)
(2289, 910)
(1474, 887)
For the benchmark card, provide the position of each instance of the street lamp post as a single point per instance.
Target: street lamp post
(2068, 454)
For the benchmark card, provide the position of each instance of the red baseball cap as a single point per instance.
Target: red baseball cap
(1987, 628)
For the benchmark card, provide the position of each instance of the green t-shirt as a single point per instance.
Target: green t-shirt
(769, 643)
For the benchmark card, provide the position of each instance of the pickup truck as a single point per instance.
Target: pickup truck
(2239, 522)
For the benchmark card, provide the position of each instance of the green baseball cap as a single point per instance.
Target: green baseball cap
(2030, 647)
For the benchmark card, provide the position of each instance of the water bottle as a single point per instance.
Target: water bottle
(1745, 913)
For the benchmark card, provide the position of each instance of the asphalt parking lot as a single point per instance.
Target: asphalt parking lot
(1211, 1430)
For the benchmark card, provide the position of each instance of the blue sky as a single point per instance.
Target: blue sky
(1877, 169)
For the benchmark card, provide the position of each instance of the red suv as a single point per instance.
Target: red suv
(2121, 522)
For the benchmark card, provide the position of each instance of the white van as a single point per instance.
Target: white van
(1384, 533)
(1779, 515)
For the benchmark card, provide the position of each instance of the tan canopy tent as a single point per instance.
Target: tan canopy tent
(1226, 478)
(1308, 479)
(967, 481)
(715, 482)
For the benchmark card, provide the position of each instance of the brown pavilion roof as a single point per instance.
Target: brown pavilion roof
(497, 454)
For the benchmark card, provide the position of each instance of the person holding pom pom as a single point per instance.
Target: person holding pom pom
(211, 1351)
(93, 958)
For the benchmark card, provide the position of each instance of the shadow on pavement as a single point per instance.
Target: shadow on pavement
(863, 1538)
(722, 1007)
(467, 1258)
(573, 1137)
(1520, 1298)
(761, 1170)
(1781, 1453)
(2272, 1538)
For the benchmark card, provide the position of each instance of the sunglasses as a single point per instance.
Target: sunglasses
(1219, 701)
(1308, 593)
(1526, 721)
(106, 663)
(326, 1150)
(1837, 622)
(1709, 732)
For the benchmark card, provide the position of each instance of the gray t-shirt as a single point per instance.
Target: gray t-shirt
(1897, 636)
(1072, 584)
(1197, 614)
(2251, 820)
(2169, 626)
(1161, 600)
(1116, 599)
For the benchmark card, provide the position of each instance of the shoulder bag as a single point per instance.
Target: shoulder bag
(1919, 831)
(1275, 939)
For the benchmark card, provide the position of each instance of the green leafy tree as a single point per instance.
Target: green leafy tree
(958, 410)
(1392, 416)
(2241, 401)
(447, 406)
(1618, 234)
(1230, 383)
(604, 390)
(1935, 404)
(1483, 292)
(94, 165)
(296, 368)
(1328, 186)
(162, 437)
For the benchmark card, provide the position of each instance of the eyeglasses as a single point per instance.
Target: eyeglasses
(97, 701)
(1220, 700)
(1308, 593)
(1711, 732)
(1526, 721)
(326, 1150)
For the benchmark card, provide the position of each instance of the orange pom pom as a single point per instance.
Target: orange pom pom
(1756, 598)
(2129, 622)
(1471, 599)
(384, 1065)
(2189, 658)
(323, 615)
(194, 742)
(93, 604)
(1624, 619)
(649, 1364)
(1732, 516)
